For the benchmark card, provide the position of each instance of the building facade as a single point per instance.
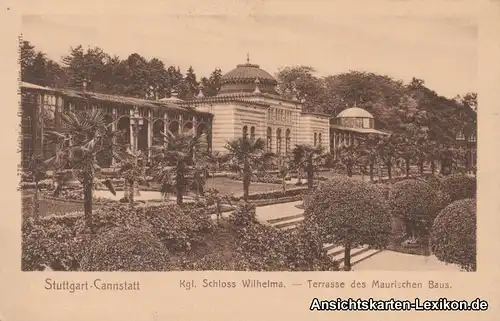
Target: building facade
(349, 125)
(248, 104)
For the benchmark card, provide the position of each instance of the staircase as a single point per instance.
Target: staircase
(334, 251)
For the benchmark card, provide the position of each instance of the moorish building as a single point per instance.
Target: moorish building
(247, 103)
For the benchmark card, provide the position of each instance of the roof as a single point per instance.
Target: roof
(109, 98)
(248, 72)
(354, 112)
(246, 78)
(360, 130)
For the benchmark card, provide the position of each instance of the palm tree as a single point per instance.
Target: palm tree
(308, 158)
(81, 139)
(248, 156)
(179, 162)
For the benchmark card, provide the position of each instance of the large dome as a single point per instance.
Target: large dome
(243, 79)
(354, 112)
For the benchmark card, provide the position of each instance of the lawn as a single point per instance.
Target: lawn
(228, 186)
(224, 185)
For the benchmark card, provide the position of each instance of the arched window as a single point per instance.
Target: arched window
(245, 131)
(269, 139)
(315, 139)
(319, 139)
(287, 141)
(252, 132)
(278, 141)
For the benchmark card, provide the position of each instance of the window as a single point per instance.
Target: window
(245, 131)
(252, 132)
(287, 141)
(315, 139)
(460, 136)
(366, 123)
(269, 139)
(319, 138)
(278, 141)
(359, 122)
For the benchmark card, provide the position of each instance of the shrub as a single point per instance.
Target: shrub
(51, 242)
(416, 203)
(459, 186)
(244, 214)
(126, 249)
(349, 212)
(178, 229)
(453, 235)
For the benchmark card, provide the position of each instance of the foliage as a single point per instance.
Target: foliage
(126, 249)
(459, 186)
(308, 159)
(51, 242)
(180, 163)
(248, 156)
(81, 139)
(348, 212)
(453, 235)
(416, 203)
(244, 215)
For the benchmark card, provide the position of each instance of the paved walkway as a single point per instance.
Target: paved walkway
(395, 261)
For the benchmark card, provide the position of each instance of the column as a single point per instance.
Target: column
(165, 121)
(150, 130)
(114, 126)
(132, 138)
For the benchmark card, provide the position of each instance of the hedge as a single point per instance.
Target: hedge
(453, 235)
(126, 249)
(459, 186)
(345, 210)
(416, 203)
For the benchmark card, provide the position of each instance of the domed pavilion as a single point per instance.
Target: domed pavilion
(349, 125)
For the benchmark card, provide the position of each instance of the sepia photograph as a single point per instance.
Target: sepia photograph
(248, 143)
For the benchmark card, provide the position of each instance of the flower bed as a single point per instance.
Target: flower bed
(269, 179)
(270, 195)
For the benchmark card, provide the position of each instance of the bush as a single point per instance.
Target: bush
(244, 215)
(51, 242)
(346, 211)
(178, 229)
(126, 249)
(416, 203)
(453, 235)
(459, 186)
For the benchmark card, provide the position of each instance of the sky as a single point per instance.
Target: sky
(437, 44)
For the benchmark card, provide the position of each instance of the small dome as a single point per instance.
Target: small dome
(354, 112)
(243, 79)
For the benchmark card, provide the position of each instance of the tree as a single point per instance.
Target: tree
(307, 86)
(79, 142)
(308, 158)
(211, 85)
(350, 156)
(370, 152)
(417, 204)
(179, 162)
(453, 234)
(347, 212)
(248, 157)
(189, 87)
